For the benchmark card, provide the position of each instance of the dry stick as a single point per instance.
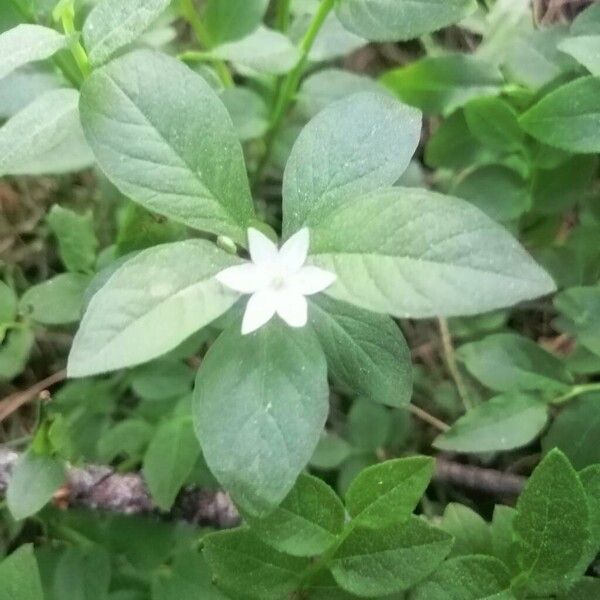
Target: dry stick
(451, 363)
(13, 402)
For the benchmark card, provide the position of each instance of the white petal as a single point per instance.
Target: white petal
(260, 308)
(311, 280)
(292, 308)
(262, 250)
(246, 278)
(294, 252)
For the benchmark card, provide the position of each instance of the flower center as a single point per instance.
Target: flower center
(278, 282)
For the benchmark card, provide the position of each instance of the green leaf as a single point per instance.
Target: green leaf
(27, 43)
(77, 242)
(368, 426)
(45, 137)
(353, 146)
(82, 574)
(20, 576)
(576, 431)
(306, 523)
(150, 305)
(162, 379)
(387, 493)
(441, 84)
(248, 111)
(501, 530)
(245, 566)
(414, 253)
(33, 483)
(585, 49)
(372, 562)
(498, 191)
(590, 479)
(128, 437)
(14, 352)
(8, 306)
(365, 352)
(494, 122)
(586, 588)
(467, 578)
(470, 532)
(169, 460)
(507, 362)
(163, 137)
(56, 301)
(587, 22)
(400, 20)
(331, 452)
(551, 525)
(568, 117)
(261, 402)
(581, 305)
(264, 51)
(113, 24)
(228, 20)
(502, 423)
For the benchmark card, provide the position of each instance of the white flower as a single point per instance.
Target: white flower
(278, 280)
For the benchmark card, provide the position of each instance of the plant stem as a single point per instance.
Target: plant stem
(190, 13)
(425, 416)
(452, 365)
(283, 15)
(288, 89)
(577, 390)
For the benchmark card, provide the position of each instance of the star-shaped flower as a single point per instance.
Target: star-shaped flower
(278, 280)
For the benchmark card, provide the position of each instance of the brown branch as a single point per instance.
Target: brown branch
(103, 489)
(13, 402)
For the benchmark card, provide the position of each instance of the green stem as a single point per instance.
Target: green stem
(577, 390)
(288, 89)
(283, 15)
(203, 36)
(450, 358)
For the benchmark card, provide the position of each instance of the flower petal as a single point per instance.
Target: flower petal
(294, 252)
(311, 280)
(246, 278)
(292, 308)
(262, 250)
(260, 308)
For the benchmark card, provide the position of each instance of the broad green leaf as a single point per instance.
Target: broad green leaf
(169, 460)
(587, 22)
(114, 24)
(56, 301)
(33, 483)
(551, 525)
(467, 578)
(306, 523)
(387, 493)
(470, 532)
(498, 191)
(162, 379)
(27, 43)
(502, 423)
(45, 137)
(150, 305)
(507, 362)
(228, 20)
(441, 84)
(414, 253)
(77, 242)
(368, 426)
(324, 587)
(8, 306)
(586, 588)
(353, 146)
(163, 137)
(243, 565)
(576, 431)
(568, 117)
(400, 20)
(128, 437)
(585, 49)
(248, 112)
(20, 576)
(494, 122)
(327, 86)
(501, 529)
(14, 352)
(331, 452)
(365, 352)
(260, 405)
(590, 479)
(581, 305)
(376, 562)
(82, 574)
(264, 51)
